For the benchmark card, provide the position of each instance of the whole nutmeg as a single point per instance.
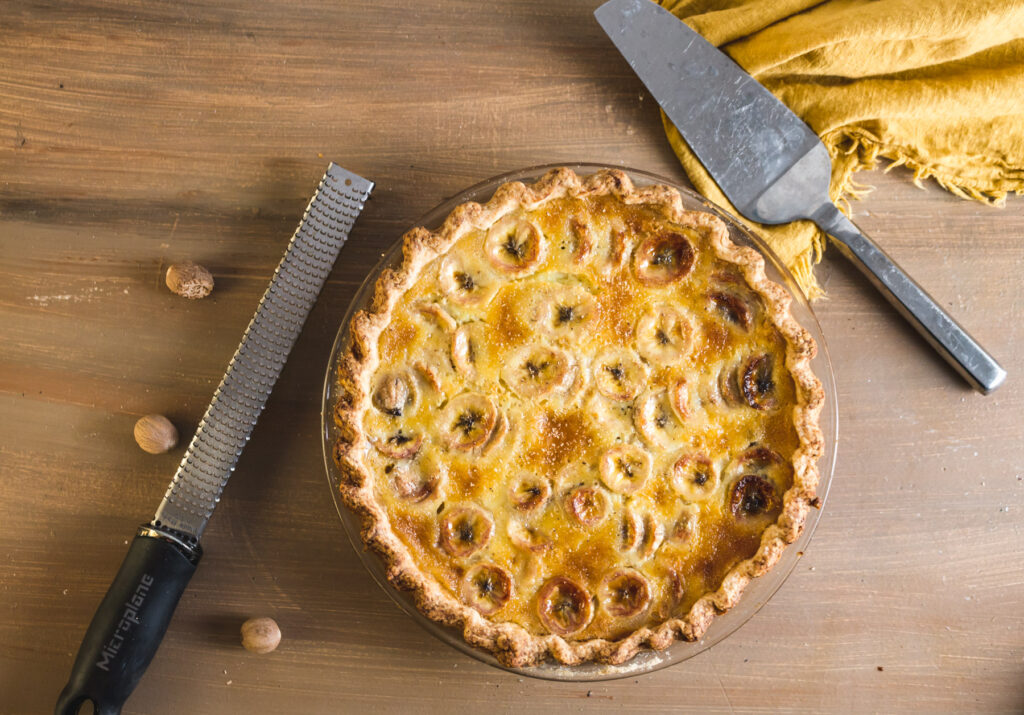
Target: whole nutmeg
(189, 280)
(260, 635)
(156, 434)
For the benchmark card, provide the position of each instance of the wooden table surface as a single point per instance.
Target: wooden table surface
(135, 134)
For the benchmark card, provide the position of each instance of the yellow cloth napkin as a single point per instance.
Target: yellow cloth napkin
(937, 85)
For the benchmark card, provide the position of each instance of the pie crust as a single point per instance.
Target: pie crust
(577, 420)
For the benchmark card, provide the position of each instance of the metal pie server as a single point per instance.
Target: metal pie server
(133, 617)
(771, 166)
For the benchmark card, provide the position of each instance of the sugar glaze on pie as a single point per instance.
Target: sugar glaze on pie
(578, 419)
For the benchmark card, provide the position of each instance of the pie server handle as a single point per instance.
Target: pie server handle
(130, 623)
(936, 325)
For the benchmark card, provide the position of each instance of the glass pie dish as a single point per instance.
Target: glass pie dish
(759, 590)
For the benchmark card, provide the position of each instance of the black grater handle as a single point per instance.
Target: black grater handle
(130, 622)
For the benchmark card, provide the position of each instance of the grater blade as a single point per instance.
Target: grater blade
(238, 401)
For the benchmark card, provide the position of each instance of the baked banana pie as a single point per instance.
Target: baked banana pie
(577, 420)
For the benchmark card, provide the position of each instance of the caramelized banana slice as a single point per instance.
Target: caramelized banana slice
(619, 374)
(414, 487)
(575, 382)
(640, 532)
(565, 310)
(421, 480)
(624, 593)
(529, 568)
(729, 385)
(664, 335)
(583, 239)
(761, 460)
(467, 421)
(694, 476)
(501, 429)
(487, 588)
(655, 419)
(537, 370)
(631, 530)
(682, 399)
(756, 458)
(527, 538)
(463, 355)
(395, 392)
(587, 505)
(514, 247)
(619, 243)
(733, 308)
(684, 531)
(438, 315)
(429, 374)
(563, 606)
(463, 285)
(654, 534)
(466, 342)
(725, 390)
(625, 468)
(664, 258)
(676, 588)
(752, 495)
(465, 530)
(529, 493)
(757, 383)
(402, 444)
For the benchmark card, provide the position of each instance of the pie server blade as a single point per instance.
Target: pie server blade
(133, 616)
(771, 166)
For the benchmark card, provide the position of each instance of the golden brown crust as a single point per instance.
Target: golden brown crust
(511, 643)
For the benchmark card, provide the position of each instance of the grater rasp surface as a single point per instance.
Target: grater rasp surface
(236, 405)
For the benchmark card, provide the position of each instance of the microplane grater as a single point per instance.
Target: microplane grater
(255, 367)
(133, 616)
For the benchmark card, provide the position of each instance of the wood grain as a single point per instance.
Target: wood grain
(133, 134)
